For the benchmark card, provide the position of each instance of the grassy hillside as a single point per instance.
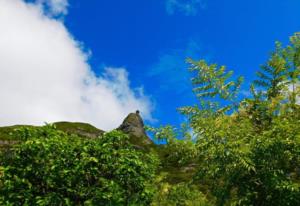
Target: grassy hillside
(79, 128)
(76, 128)
(5, 132)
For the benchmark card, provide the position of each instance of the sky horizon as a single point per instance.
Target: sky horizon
(96, 61)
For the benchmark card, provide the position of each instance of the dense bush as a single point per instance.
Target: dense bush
(181, 194)
(243, 167)
(176, 152)
(53, 168)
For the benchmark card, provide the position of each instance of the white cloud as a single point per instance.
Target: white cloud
(187, 7)
(44, 75)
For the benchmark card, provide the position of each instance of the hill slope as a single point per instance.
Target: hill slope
(132, 125)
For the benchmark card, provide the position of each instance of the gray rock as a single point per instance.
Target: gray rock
(133, 125)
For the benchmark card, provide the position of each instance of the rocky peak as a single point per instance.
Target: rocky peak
(133, 125)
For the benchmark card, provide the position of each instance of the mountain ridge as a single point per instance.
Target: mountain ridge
(132, 125)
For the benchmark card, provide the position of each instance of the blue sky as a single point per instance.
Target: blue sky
(95, 61)
(153, 38)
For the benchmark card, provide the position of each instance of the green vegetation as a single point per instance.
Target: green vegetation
(53, 168)
(80, 129)
(180, 194)
(231, 151)
(5, 132)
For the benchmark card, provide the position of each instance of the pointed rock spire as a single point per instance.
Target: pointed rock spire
(133, 125)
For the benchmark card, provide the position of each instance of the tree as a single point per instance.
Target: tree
(280, 76)
(274, 75)
(293, 59)
(248, 155)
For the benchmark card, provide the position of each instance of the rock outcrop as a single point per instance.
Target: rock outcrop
(133, 125)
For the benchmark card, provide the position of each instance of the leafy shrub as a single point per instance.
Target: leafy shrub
(53, 168)
(177, 152)
(181, 194)
(242, 167)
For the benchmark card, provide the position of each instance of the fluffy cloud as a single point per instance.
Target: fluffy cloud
(187, 7)
(44, 74)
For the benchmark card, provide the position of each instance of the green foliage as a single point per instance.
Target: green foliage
(177, 152)
(216, 91)
(5, 132)
(179, 195)
(246, 152)
(53, 168)
(211, 81)
(273, 76)
(276, 157)
(281, 74)
(243, 167)
(251, 155)
(78, 128)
